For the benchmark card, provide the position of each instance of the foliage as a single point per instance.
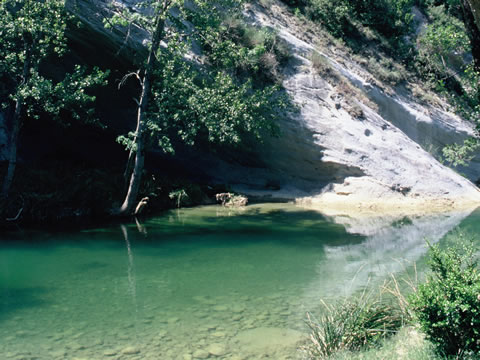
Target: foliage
(178, 195)
(65, 100)
(187, 107)
(321, 64)
(32, 29)
(245, 50)
(352, 325)
(334, 15)
(461, 154)
(184, 101)
(442, 63)
(389, 17)
(32, 33)
(387, 70)
(447, 306)
(445, 36)
(407, 344)
(220, 103)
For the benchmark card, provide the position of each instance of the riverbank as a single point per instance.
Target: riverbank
(60, 194)
(63, 195)
(366, 197)
(359, 206)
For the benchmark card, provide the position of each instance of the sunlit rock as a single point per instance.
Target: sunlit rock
(327, 154)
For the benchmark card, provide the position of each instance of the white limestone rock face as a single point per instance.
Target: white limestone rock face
(325, 155)
(92, 13)
(385, 146)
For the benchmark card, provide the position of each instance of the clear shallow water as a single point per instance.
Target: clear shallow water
(195, 283)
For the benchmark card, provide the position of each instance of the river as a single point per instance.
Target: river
(205, 282)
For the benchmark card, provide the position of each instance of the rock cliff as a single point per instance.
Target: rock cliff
(373, 157)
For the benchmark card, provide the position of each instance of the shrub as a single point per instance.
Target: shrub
(257, 53)
(334, 15)
(352, 325)
(389, 17)
(386, 70)
(447, 306)
(442, 43)
(321, 64)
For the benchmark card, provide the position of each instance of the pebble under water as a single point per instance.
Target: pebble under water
(199, 283)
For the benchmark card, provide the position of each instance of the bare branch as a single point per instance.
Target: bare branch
(16, 217)
(125, 41)
(127, 76)
(19, 211)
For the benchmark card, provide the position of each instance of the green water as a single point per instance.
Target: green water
(195, 283)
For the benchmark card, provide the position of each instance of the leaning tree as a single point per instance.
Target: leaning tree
(183, 99)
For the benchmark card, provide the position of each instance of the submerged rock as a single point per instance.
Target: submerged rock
(265, 339)
(131, 350)
(237, 309)
(109, 353)
(217, 349)
(173, 320)
(219, 334)
(200, 354)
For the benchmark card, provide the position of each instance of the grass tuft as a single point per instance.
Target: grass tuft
(352, 325)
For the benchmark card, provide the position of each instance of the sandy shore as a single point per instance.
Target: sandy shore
(333, 204)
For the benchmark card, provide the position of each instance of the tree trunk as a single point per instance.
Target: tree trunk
(136, 176)
(16, 120)
(475, 6)
(12, 153)
(470, 15)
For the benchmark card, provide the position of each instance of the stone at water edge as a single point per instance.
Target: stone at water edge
(109, 353)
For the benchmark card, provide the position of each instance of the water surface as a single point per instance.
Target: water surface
(195, 283)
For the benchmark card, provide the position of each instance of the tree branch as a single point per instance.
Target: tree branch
(127, 76)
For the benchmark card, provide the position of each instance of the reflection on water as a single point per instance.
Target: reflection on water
(391, 245)
(132, 285)
(196, 283)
